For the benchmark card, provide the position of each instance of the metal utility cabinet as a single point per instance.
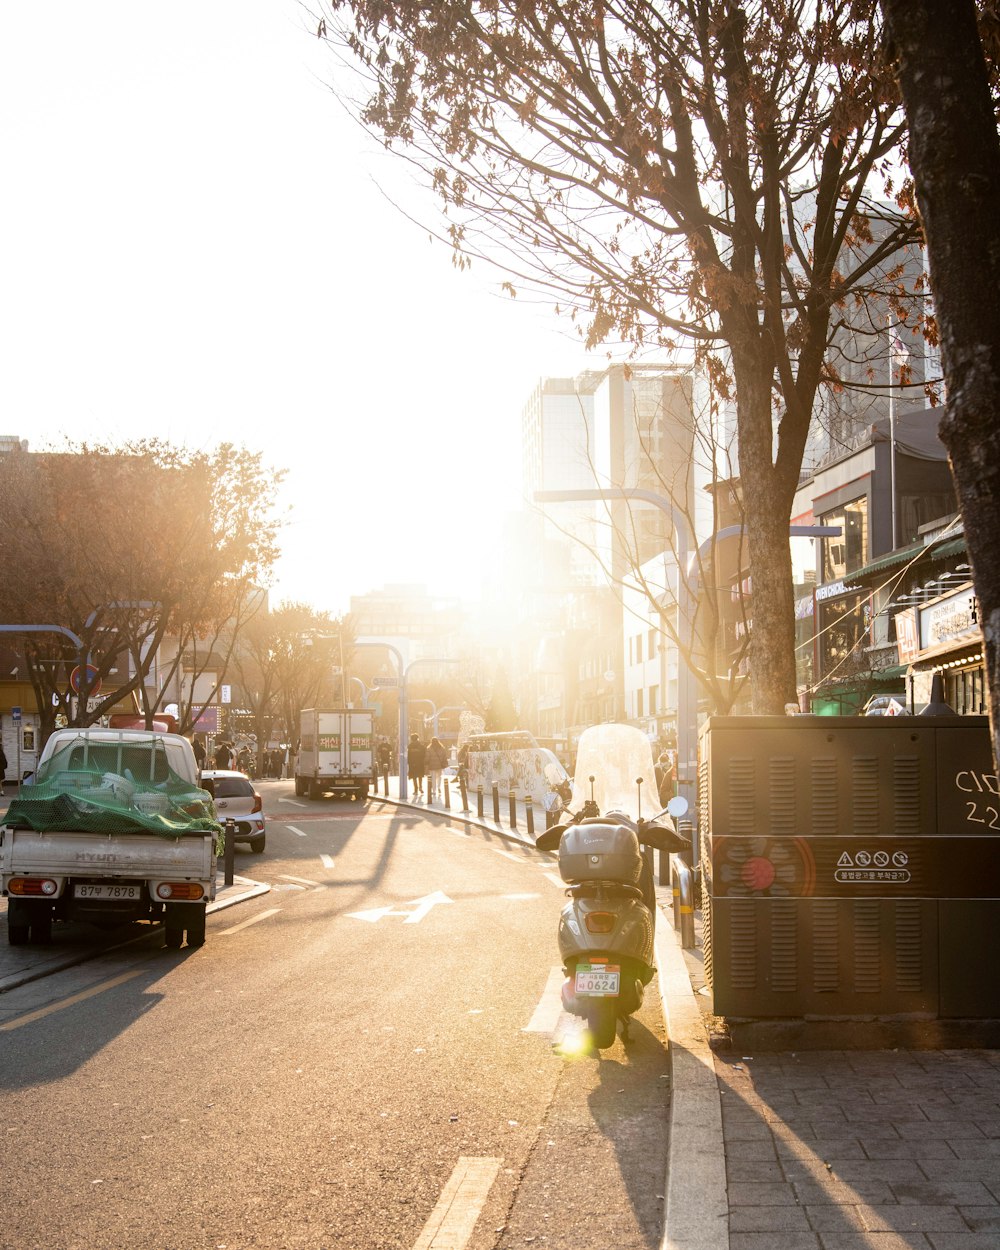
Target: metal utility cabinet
(851, 867)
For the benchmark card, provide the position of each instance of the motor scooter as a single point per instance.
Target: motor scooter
(607, 927)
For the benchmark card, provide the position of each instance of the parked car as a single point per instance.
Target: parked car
(237, 800)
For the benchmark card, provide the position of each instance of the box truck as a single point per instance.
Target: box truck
(336, 752)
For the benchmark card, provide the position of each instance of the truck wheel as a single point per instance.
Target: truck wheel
(300, 787)
(315, 790)
(173, 937)
(362, 793)
(41, 929)
(18, 923)
(196, 928)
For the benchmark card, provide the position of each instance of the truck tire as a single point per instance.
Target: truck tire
(300, 787)
(196, 927)
(18, 923)
(173, 937)
(362, 793)
(315, 790)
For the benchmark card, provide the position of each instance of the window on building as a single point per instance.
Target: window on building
(654, 700)
(843, 555)
(638, 703)
(638, 648)
(651, 642)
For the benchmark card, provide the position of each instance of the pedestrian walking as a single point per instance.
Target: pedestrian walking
(200, 754)
(222, 755)
(435, 762)
(416, 757)
(664, 770)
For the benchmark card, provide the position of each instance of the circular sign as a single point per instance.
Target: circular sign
(92, 678)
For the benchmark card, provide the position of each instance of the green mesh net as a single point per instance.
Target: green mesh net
(113, 787)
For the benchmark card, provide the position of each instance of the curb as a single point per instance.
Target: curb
(696, 1215)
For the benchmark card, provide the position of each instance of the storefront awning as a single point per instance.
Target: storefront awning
(933, 551)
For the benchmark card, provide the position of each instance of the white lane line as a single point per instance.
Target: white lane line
(293, 803)
(327, 861)
(518, 859)
(20, 1021)
(550, 1008)
(298, 831)
(518, 898)
(301, 880)
(452, 1221)
(271, 911)
(556, 880)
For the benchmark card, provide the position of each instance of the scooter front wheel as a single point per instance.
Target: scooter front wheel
(602, 1021)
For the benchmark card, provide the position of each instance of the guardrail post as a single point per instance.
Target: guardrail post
(512, 802)
(463, 790)
(229, 852)
(496, 803)
(447, 796)
(479, 803)
(529, 815)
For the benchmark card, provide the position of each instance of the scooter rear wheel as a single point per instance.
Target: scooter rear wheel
(602, 1021)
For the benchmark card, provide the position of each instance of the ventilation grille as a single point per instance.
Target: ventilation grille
(743, 945)
(784, 947)
(867, 947)
(865, 796)
(909, 947)
(826, 946)
(825, 798)
(742, 795)
(906, 776)
(782, 793)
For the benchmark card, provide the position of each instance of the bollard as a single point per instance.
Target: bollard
(464, 792)
(447, 796)
(496, 803)
(479, 803)
(529, 816)
(229, 851)
(385, 780)
(512, 801)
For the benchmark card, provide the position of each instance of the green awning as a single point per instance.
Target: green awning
(932, 550)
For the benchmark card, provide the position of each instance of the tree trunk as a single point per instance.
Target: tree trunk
(768, 506)
(955, 158)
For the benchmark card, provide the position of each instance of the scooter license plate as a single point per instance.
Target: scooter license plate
(597, 980)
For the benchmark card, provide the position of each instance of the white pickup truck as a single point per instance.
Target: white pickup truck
(115, 828)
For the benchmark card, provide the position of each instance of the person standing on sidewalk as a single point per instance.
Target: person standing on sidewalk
(435, 761)
(416, 755)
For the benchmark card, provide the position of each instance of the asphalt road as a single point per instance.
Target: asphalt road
(361, 1058)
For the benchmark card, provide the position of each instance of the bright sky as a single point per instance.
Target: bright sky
(195, 248)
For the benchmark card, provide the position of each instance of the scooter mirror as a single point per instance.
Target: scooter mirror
(677, 806)
(550, 839)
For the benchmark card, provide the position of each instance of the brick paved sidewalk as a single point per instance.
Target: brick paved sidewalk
(862, 1150)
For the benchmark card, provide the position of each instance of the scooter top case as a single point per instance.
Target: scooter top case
(596, 850)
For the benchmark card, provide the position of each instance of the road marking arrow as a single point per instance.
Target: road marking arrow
(421, 907)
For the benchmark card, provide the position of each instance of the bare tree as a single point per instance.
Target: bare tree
(126, 546)
(689, 172)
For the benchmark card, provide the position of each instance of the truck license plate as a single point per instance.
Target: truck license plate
(597, 980)
(104, 891)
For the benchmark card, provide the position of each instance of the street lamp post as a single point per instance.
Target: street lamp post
(403, 671)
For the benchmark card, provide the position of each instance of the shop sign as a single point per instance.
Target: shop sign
(949, 620)
(907, 637)
(833, 589)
